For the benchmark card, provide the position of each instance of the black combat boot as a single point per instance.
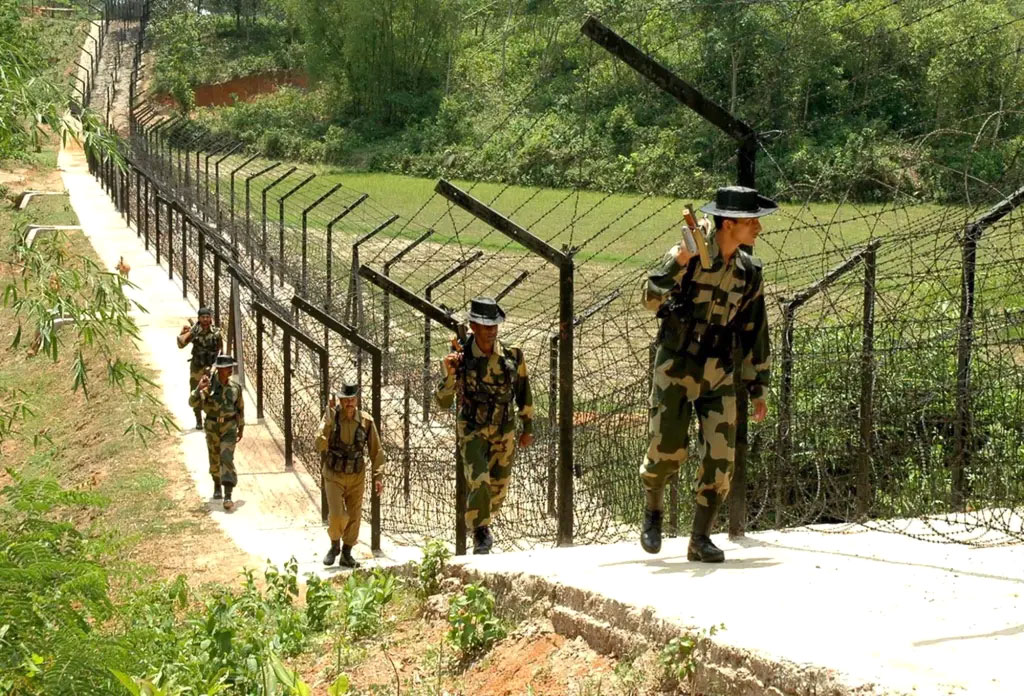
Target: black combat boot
(332, 553)
(217, 493)
(228, 503)
(199, 418)
(482, 540)
(701, 547)
(346, 558)
(650, 535)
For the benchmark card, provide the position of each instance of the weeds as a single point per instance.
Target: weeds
(365, 597)
(435, 556)
(678, 658)
(474, 626)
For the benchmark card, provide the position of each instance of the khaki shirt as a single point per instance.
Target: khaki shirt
(332, 417)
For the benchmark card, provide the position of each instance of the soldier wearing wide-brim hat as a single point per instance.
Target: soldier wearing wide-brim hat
(491, 381)
(702, 312)
(207, 342)
(348, 438)
(221, 400)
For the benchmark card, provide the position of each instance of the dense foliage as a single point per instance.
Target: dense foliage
(868, 99)
(36, 56)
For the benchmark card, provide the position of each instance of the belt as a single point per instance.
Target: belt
(223, 419)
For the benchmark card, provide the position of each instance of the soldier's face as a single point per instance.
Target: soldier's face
(484, 335)
(205, 320)
(224, 374)
(348, 407)
(745, 230)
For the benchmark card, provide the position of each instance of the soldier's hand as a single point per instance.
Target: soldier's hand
(683, 254)
(760, 410)
(450, 361)
(185, 329)
(525, 440)
(378, 486)
(204, 383)
(239, 438)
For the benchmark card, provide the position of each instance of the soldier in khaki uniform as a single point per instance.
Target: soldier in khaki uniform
(701, 310)
(222, 401)
(491, 381)
(207, 343)
(348, 437)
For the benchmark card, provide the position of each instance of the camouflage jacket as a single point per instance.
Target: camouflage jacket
(222, 404)
(725, 299)
(334, 422)
(487, 386)
(206, 345)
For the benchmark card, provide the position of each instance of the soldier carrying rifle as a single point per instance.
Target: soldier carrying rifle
(702, 309)
(207, 343)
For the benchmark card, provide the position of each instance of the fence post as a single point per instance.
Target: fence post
(305, 236)
(156, 218)
(259, 365)
(406, 459)
(552, 422)
(287, 398)
(202, 267)
(184, 255)
(867, 386)
(566, 321)
(280, 228)
(170, 239)
(784, 460)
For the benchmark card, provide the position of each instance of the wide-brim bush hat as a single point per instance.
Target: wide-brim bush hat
(225, 361)
(485, 311)
(740, 202)
(348, 390)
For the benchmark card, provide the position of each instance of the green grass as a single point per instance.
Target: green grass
(616, 229)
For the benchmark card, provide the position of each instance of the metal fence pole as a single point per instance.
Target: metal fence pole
(785, 457)
(867, 386)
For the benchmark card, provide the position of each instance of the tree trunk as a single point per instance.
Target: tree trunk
(732, 81)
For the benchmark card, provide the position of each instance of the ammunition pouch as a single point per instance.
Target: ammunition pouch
(489, 406)
(695, 337)
(347, 458)
(344, 460)
(487, 403)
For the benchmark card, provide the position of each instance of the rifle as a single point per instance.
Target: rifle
(694, 237)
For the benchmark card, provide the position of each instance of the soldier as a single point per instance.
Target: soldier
(489, 377)
(207, 343)
(701, 310)
(225, 421)
(347, 437)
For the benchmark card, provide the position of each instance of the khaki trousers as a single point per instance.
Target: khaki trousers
(344, 504)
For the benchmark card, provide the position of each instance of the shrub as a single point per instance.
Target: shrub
(435, 556)
(473, 626)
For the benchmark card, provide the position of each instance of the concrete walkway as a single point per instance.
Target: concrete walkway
(277, 513)
(877, 608)
(869, 607)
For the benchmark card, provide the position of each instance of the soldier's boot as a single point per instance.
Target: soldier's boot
(346, 558)
(701, 547)
(199, 418)
(650, 535)
(217, 493)
(332, 553)
(482, 540)
(229, 504)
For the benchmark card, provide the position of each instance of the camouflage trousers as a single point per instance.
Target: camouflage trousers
(344, 504)
(487, 455)
(193, 379)
(220, 445)
(675, 394)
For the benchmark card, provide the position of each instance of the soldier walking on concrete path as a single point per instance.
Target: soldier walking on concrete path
(488, 377)
(701, 310)
(347, 438)
(221, 399)
(207, 343)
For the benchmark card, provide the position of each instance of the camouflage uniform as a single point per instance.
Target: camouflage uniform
(486, 426)
(206, 346)
(225, 421)
(701, 310)
(344, 444)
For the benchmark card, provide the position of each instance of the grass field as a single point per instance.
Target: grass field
(613, 230)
